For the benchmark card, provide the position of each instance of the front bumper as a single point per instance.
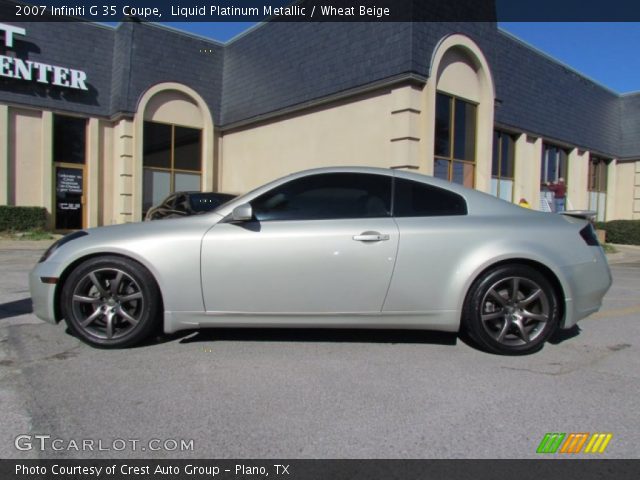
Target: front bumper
(43, 294)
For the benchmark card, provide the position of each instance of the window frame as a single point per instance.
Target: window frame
(382, 176)
(64, 163)
(563, 159)
(451, 159)
(434, 188)
(172, 170)
(393, 180)
(498, 135)
(598, 174)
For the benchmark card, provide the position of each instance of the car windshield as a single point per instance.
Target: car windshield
(205, 202)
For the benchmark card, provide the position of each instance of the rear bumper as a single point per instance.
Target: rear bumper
(586, 286)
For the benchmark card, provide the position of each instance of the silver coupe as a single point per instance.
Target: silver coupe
(332, 248)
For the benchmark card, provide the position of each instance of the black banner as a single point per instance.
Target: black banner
(319, 469)
(320, 10)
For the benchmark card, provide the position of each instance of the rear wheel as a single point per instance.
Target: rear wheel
(111, 302)
(511, 310)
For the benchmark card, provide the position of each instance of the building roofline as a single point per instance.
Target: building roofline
(327, 99)
(182, 32)
(246, 32)
(557, 61)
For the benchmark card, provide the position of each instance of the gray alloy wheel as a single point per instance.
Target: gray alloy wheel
(110, 302)
(511, 310)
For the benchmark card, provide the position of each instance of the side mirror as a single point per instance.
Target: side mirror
(242, 213)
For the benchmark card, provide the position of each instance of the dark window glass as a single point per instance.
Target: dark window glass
(443, 125)
(414, 199)
(562, 164)
(463, 173)
(495, 164)
(465, 131)
(503, 165)
(597, 174)
(441, 168)
(204, 202)
(187, 148)
(554, 164)
(157, 145)
(69, 188)
(455, 139)
(326, 196)
(602, 177)
(507, 165)
(172, 161)
(69, 139)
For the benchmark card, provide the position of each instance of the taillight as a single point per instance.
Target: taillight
(588, 234)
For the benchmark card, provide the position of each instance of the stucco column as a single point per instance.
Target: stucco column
(4, 155)
(123, 171)
(93, 172)
(636, 192)
(612, 193)
(405, 134)
(577, 180)
(484, 143)
(47, 165)
(526, 181)
(427, 146)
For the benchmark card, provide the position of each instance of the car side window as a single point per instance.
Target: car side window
(415, 199)
(326, 196)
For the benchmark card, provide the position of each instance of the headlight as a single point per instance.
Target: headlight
(62, 241)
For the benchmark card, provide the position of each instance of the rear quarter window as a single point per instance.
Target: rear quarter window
(415, 199)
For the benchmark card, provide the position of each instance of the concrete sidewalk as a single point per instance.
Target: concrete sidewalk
(624, 254)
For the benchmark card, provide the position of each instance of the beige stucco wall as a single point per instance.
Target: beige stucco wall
(4, 154)
(636, 192)
(172, 106)
(577, 180)
(526, 181)
(624, 191)
(106, 186)
(613, 197)
(25, 158)
(355, 132)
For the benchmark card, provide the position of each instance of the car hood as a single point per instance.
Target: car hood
(137, 237)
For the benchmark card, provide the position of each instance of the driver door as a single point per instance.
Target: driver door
(319, 244)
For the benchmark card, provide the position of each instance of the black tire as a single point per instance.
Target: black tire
(111, 302)
(502, 322)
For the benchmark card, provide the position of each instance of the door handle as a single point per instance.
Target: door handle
(371, 237)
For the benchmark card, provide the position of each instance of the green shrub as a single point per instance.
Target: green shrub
(19, 219)
(626, 232)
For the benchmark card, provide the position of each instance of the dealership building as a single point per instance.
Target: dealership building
(99, 123)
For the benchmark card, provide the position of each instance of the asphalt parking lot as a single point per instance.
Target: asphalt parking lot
(315, 394)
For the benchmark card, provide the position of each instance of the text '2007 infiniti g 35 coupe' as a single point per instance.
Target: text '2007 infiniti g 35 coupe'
(332, 247)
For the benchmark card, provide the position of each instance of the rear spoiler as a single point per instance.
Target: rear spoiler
(585, 214)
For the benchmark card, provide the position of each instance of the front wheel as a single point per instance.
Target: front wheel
(511, 310)
(111, 302)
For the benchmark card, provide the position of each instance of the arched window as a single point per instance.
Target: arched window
(460, 91)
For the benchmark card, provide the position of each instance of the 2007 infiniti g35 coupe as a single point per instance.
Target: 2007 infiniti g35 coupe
(332, 247)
